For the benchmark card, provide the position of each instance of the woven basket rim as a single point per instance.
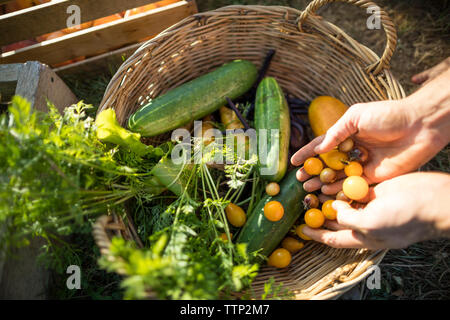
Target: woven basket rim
(375, 64)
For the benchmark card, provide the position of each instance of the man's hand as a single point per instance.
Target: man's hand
(402, 211)
(400, 135)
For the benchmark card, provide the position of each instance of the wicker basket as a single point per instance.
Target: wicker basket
(313, 57)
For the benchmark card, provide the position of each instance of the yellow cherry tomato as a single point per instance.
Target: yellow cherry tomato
(273, 211)
(327, 175)
(291, 244)
(355, 187)
(346, 145)
(224, 237)
(272, 189)
(328, 211)
(334, 159)
(299, 232)
(310, 201)
(353, 168)
(235, 215)
(314, 218)
(280, 258)
(313, 166)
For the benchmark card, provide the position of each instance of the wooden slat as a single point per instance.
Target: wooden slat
(52, 16)
(5, 1)
(103, 38)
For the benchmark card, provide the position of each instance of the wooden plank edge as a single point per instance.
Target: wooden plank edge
(56, 11)
(103, 62)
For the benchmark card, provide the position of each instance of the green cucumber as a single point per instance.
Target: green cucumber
(272, 113)
(194, 99)
(261, 233)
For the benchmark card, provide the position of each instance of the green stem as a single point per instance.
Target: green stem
(52, 223)
(252, 196)
(211, 185)
(180, 205)
(243, 201)
(238, 192)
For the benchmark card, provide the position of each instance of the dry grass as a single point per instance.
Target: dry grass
(421, 271)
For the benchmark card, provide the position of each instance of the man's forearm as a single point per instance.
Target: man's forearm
(431, 106)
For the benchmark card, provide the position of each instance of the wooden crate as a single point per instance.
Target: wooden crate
(120, 36)
(36, 82)
(21, 277)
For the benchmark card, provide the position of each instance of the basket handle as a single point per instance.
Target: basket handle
(386, 22)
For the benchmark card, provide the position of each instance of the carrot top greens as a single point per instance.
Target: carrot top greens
(56, 175)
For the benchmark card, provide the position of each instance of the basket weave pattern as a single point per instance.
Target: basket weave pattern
(313, 57)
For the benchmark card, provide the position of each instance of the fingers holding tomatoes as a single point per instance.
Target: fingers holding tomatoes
(338, 239)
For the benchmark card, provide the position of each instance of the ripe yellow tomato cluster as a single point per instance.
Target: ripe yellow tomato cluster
(355, 187)
(315, 218)
(346, 159)
(326, 166)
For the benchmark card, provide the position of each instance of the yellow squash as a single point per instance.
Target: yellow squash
(231, 122)
(230, 119)
(208, 137)
(334, 159)
(323, 112)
